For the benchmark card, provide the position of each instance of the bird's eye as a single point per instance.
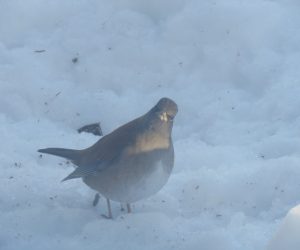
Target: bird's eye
(170, 118)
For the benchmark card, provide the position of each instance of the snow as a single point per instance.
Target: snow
(287, 236)
(231, 66)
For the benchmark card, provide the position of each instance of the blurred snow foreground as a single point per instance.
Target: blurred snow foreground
(287, 236)
(231, 66)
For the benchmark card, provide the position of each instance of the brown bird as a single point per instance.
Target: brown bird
(132, 162)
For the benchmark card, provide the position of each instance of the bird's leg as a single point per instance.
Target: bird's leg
(96, 199)
(122, 208)
(109, 216)
(128, 208)
(109, 208)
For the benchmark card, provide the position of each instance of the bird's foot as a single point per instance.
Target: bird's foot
(108, 217)
(128, 208)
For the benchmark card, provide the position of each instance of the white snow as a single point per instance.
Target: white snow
(287, 236)
(231, 66)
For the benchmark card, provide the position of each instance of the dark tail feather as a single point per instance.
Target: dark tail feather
(70, 154)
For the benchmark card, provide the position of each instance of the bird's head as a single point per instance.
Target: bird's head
(163, 114)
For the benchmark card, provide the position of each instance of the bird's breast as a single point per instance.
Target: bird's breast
(148, 143)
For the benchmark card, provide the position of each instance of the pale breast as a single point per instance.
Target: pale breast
(135, 178)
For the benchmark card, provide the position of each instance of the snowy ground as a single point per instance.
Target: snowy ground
(232, 67)
(287, 236)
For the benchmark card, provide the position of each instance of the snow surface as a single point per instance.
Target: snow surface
(232, 67)
(288, 235)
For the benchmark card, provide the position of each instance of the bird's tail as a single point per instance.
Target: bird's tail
(70, 154)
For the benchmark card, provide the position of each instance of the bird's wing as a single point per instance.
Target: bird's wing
(105, 151)
(82, 172)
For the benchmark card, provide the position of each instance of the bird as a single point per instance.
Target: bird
(132, 162)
